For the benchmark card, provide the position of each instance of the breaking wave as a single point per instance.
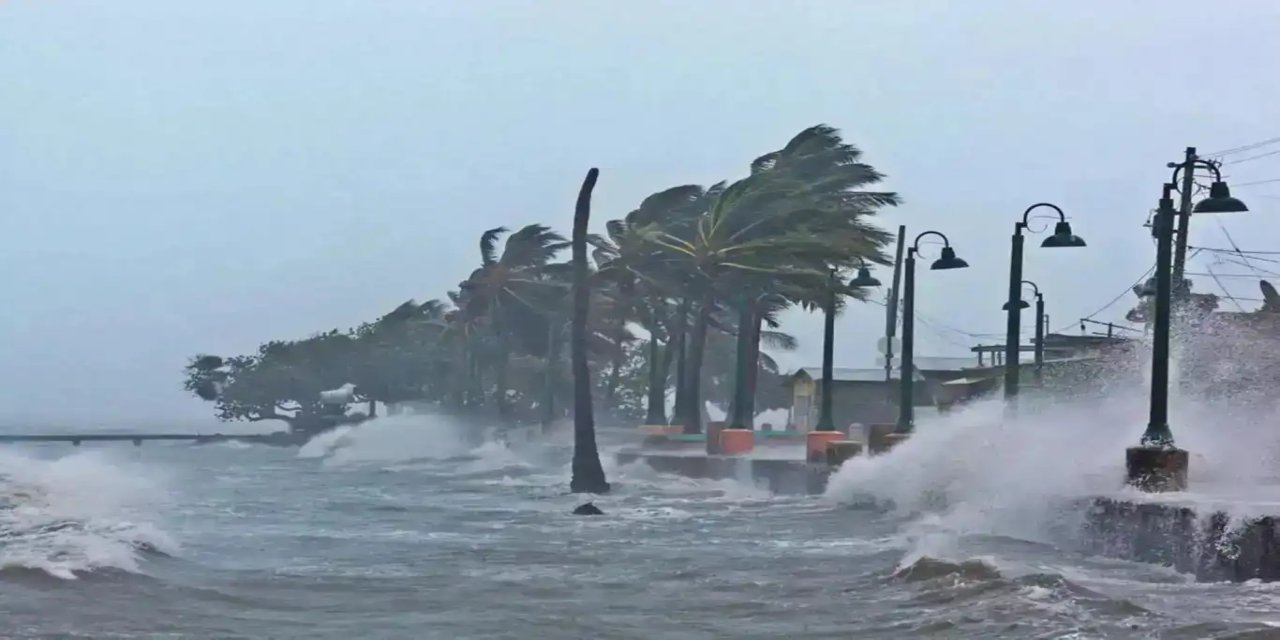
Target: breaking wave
(76, 515)
(398, 438)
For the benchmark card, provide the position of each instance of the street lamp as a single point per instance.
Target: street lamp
(1219, 201)
(864, 279)
(906, 373)
(1062, 237)
(1156, 464)
(1040, 322)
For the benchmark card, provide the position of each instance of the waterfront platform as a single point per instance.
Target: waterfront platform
(780, 469)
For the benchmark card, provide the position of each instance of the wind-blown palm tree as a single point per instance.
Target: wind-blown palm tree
(588, 474)
(798, 215)
(507, 296)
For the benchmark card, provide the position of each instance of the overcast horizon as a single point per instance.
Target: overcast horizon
(182, 178)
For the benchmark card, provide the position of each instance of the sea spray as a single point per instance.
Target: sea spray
(79, 513)
(399, 438)
(1030, 475)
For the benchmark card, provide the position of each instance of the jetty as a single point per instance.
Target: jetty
(76, 439)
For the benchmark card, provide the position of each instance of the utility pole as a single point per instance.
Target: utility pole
(1184, 221)
(891, 314)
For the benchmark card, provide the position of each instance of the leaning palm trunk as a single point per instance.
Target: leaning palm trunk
(615, 366)
(753, 366)
(656, 412)
(588, 474)
(693, 406)
(679, 344)
(549, 374)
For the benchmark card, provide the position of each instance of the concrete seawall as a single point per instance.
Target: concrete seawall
(1210, 545)
(780, 476)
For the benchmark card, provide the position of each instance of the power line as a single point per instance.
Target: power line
(1243, 148)
(1247, 184)
(1127, 290)
(1224, 275)
(1260, 155)
(1220, 250)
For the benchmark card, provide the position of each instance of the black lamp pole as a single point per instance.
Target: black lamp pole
(906, 373)
(1158, 433)
(826, 421)
(1156, 464)
(1062, 237)
(1040, 328)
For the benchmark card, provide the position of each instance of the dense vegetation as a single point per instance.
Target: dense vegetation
(675, 285)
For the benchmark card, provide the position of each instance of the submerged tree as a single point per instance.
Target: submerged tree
(588, 474)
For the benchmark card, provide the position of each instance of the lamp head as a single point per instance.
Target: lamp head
(1022, 304)
(864, 279)
(1220, 201)
(1063, 237)
(948, 260)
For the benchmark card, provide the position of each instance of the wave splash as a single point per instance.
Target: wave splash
(399, 438)
(78, 514)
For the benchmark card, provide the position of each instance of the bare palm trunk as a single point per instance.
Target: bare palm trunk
(679, 344)
(549, 374)
(694, 408)
(656, 411)
(588, 474)
(615, 367)
(753, 366)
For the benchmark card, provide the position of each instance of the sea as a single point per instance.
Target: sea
(404, 527)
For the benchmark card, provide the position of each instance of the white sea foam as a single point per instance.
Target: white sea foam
(78, 513)
(389, 439)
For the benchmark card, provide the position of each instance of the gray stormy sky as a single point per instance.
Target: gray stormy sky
(182, 177)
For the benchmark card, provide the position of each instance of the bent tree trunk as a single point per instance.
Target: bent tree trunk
(693, 406)
(588, 474)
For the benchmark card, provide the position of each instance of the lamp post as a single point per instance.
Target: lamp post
(864, 279)
(1040, 323)
(1062, 237)
(1219, 201)
(906, 373)
(1156, 464)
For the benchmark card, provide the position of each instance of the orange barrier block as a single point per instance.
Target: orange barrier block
(816, 444)
(735, 442)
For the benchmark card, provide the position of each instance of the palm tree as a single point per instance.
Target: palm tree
(798, 215)
(588, 474)
(639, 278)
(507, 296)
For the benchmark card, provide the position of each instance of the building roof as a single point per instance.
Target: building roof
(848, 374)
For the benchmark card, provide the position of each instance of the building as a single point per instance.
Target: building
(863, 396)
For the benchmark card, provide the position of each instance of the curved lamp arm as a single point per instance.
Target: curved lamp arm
(915, 246)
(1026, 215)
(1033, 286)
(1179, 166)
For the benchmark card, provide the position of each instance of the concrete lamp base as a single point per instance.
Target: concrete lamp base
(1156, 469)
(841, 450)
(815, 444)
(880, 439)
(736, 442)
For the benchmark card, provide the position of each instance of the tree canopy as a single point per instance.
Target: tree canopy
(675, 283)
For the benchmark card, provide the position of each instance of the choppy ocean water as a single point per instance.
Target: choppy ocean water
(398, 529)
